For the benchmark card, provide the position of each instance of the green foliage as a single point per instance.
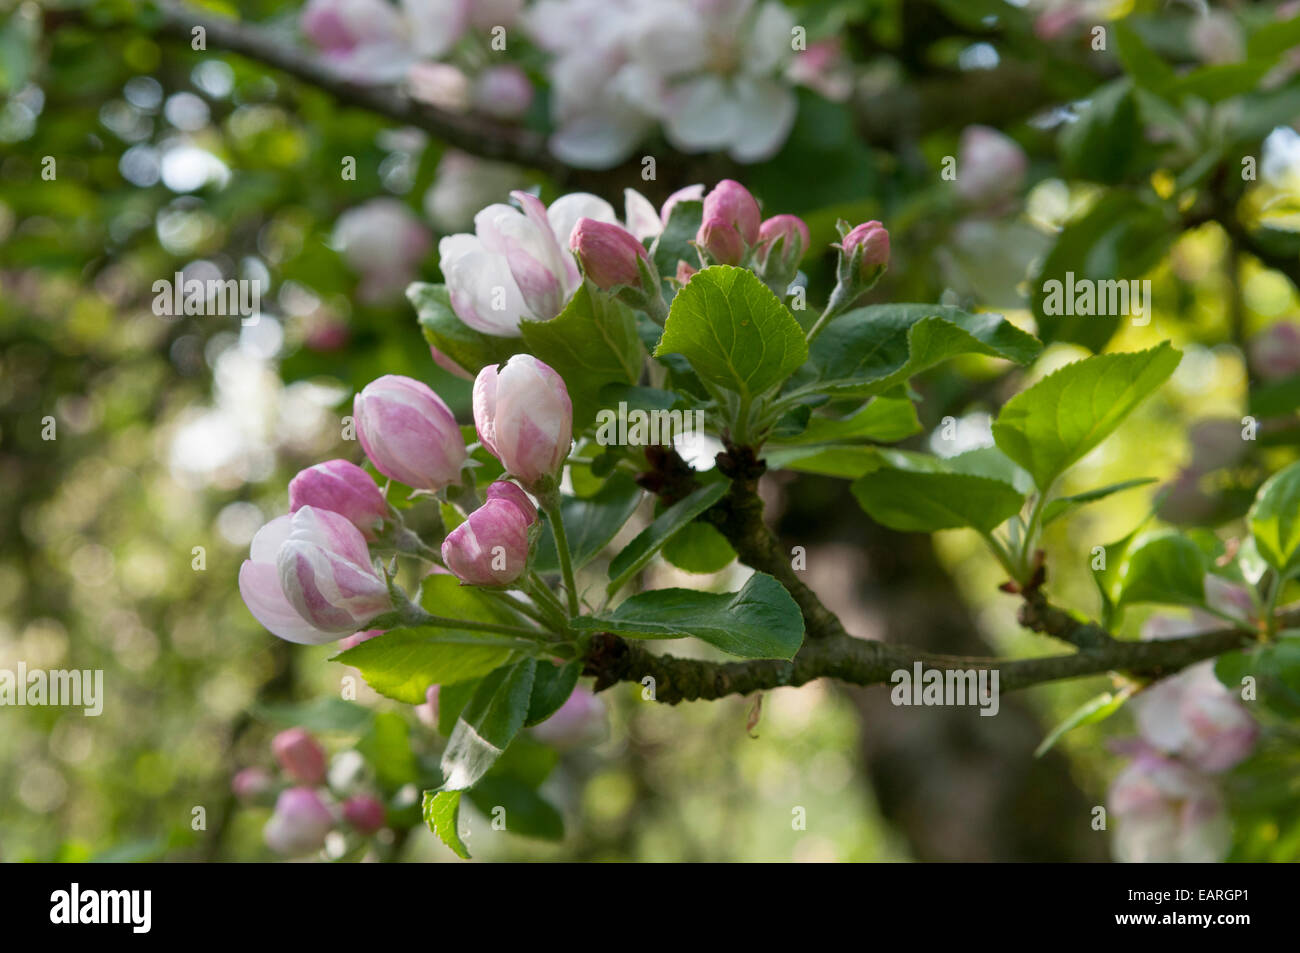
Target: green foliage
(488, 723)
(665, 526)
(759, 621)
(1275, 520)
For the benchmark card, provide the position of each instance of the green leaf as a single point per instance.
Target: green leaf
(526, 813)
(734, 331)
(1050, 426)
(648, 542)
(920, 502)
(1098, 708)
(590, 523)
(1276, 669)
(759, 621)
(325, 716)
(1165, 567)
(882, 419)
(1066, 504)
(403, 662)
(847, 463)
(1101, 143)
(488, 724)
(1274, 520)
(552, 686)
(472, 350)
(699, 548)
(872, 350)
(442, 813)
(674, 243)
(1118, 239)
(452, 700)
(387, 746)
(591, 343)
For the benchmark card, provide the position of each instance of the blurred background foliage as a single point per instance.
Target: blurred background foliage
(180, 433)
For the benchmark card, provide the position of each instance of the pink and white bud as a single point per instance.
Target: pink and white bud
(441, 85)
(503, 92)
(408, 433)
(691, 193)
(1165, 811)
(259, 584)
(524, 417)
(428, 711)
(579, 721)
(513, 268)
(341, 487)
(383, 241)
(491, 547)
(684, 272)
(608, 254)
(787, 236)
(731, 223)
(251, 785)
(873, 239)
(1193, 715)
(365, 813)
(299, 823)
(326, 574)
(364, 40)
(300, 755)
(991, 166)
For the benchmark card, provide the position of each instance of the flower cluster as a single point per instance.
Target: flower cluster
(1167, 803)
(313, 796)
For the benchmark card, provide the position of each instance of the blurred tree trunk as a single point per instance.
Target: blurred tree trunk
(959, 786)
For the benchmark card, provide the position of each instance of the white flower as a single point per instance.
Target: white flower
(517, 265)
(382, 240)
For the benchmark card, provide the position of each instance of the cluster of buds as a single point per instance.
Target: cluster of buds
(310, 577)
(311, 798)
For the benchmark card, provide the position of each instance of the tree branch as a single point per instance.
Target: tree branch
(862, 662)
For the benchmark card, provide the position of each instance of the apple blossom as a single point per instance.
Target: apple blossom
(352, 641)
(491, 547)
(581, 720)
(342, 487)
(610, 255)
(326, 575)
(503, 92)
(1167, 812)
(250, 785)
(299, 823)
(300, 755)
(782, 242)
(428, 711)
(1193, 715)
(463, 184)
(259, 584)
(991, 166)
(364, 812)
(524, 417)
(383, 241)
(409, 433)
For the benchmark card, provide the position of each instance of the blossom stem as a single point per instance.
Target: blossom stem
(566, 559)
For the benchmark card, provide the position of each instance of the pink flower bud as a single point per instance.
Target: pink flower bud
(300, 755)
(684, 272)
(364, 812)
(793, 236)
(691, 193)
(1193, 715)
(340, 487)
(326, 574)
(721, 242)
(503, 92)
(608, 253)
(250, 785)
(408, 433)
(873, 239)
(992, 166)
(1275, 352)
(491, 547)
(524, 417)
(732, 204)
(259, 584)
(299, 824)
(579, 721)
(445, 361)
